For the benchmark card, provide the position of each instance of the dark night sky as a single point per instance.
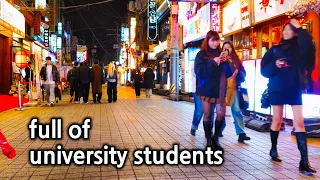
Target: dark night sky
(101, 19)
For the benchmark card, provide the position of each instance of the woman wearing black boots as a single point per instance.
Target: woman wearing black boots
(287, 66)
(211, 87)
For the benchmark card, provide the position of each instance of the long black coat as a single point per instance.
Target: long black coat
(148, 79)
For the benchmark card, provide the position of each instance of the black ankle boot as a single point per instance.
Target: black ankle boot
(207, 125)
(274, 141)
(243, 137)
(303, 148)
(217, 131)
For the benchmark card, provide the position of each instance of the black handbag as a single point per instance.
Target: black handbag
(243, 98)
(265, 102)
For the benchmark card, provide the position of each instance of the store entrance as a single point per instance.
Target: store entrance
(4, 65)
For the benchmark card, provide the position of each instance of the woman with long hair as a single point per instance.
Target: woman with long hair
(286, 66)
(211, 87)
(234, 82)
(112, 78)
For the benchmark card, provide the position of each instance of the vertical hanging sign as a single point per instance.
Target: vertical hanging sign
(46, 38)
(152, 21)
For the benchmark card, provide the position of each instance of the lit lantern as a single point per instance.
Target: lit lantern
(21, 59)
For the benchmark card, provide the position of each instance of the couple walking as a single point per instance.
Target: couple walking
(148, 79)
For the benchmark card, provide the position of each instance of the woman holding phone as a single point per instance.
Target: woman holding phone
(285, 65)
(211, 86)
(238, 77)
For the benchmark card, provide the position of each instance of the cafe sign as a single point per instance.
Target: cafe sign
(12, 19)
(266, 9)
(152, 21)
(245, 13)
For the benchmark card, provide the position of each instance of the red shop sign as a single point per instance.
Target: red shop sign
(36, 25)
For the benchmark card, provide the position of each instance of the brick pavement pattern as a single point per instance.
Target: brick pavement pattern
(133, 123)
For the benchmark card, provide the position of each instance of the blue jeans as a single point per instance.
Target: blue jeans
(198, 112)
(237, 117)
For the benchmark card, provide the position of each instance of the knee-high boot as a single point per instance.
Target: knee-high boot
(207, 125)
(274, 141)
(7, 150)
(303, 148)
(217, 131)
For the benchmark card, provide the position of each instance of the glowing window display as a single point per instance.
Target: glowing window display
(190, 78)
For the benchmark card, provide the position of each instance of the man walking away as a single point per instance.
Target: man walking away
(97, 81)
(137, 78)
(84, 77)
(50, 75)
(72, 79)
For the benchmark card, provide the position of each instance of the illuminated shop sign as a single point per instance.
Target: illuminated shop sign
(216, 17)
(59, 42)
(266, 9)
(152, 21)
(124, 34)
(59, 28)
(46, 38)
(40, 4)
(231, 21)
(53, 42)
(161, 47)
(133, 25)
(197, 27)
(12, 19)
(245, 15)
(82, 53)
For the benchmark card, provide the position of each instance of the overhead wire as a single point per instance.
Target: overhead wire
(91, 31)
(85, 5)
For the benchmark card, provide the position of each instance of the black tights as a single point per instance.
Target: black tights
(207, 111)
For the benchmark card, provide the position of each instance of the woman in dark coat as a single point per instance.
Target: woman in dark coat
(137, 78)
(286, 65)
(97, 81)
(210, 69)
(148, 81)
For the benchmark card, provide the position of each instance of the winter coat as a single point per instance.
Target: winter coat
(84, 74)
(97, 79)
(72, 77)
(300, 55)
(137, 78)
(55, 73)
(208, 74)
(148, 79)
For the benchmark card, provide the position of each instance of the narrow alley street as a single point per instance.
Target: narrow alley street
(132, 123)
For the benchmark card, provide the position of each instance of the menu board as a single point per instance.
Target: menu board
(231, 17)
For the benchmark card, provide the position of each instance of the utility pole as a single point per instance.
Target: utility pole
(174, 63)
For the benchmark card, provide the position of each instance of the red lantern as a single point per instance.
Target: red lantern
(21, 59)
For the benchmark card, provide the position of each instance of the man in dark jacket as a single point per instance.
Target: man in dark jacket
(84, 79)
(50, 75)
(72, 79)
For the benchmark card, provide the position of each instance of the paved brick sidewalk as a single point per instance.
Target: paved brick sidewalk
(133, 123)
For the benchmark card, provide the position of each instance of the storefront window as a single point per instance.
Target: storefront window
(265, 40)
(276, 33)
(243, 43)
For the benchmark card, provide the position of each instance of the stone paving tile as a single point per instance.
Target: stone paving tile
(134, 123)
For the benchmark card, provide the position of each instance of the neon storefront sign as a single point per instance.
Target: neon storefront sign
(266, 9)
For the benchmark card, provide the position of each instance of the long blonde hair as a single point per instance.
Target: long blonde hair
(111, 69)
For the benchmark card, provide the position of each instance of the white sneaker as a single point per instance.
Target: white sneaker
(76, 102)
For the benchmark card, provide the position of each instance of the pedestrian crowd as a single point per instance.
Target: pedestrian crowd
(219, 74)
